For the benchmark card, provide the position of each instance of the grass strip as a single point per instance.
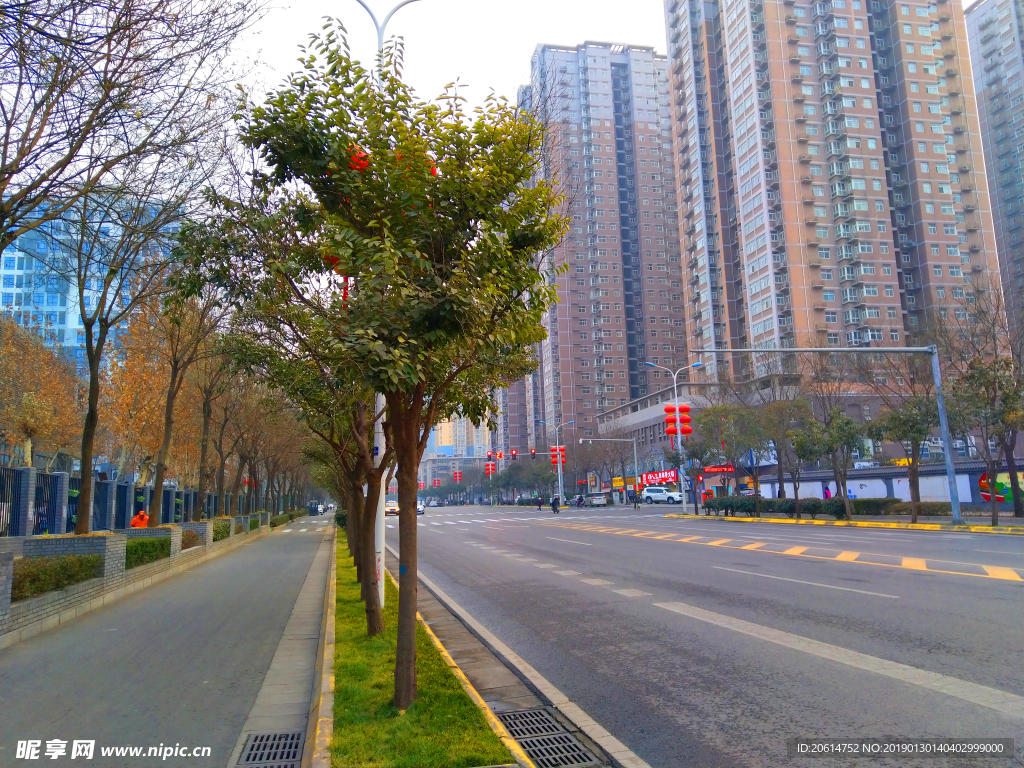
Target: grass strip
(443, 729)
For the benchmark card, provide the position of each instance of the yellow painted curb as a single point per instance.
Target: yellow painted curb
(496, 725)
(863, 524)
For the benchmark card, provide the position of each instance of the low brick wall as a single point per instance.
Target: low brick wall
(109, 546)
(27, 618)
(242, 520)
(12, 544)
(6, 581)
(204, 529)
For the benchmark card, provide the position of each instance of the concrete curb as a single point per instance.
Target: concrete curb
(321, 708)
(618, 751)
(1019, 531)
(522, 759)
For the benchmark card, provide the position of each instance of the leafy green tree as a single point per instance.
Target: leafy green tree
(910, 422)
(807, 444)
(989, 400)
(724, 426)
(435, 218)
(698, 452)
(840, 437)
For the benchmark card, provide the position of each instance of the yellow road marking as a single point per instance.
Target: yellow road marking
(910, 563)
(999, 572)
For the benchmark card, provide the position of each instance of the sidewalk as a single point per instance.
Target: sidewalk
(180, 663)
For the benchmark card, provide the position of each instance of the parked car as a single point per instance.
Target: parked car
(390, 507)
(654, 495)
(597, 500)
(433, 503)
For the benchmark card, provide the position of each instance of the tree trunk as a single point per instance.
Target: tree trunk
(165, 447)
(796, 497)
(368, 557)
(782, 478)
(92, 418)
(405, 661)
(993, 497)
(914, 479)
(201, 512)
(1009, 446)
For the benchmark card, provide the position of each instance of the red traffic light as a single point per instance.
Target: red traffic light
(515, 453)
(533, 453)
(489, 455)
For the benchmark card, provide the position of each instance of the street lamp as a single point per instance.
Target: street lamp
(933, 351)
(561, 487)
(379, 404)
(636, 463)
(675, 375)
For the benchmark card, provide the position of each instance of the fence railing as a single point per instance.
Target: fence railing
(10, 501)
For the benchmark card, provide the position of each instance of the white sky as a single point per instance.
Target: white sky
(484, 44)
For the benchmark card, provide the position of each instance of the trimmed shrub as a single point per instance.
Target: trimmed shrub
(141, 551)
(221, 529)
(277, 520)
(341, 518)
(874, 506)
(38, 575)
(527, 502)
(254, 523)
(923, 508)
(239, 528)
(190, 539)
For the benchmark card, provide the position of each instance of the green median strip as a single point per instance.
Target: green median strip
(443, 729)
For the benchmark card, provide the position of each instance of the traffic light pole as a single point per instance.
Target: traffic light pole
(931, 350)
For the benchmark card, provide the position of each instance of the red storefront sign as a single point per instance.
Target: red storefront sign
(656, 478)
(719, 470)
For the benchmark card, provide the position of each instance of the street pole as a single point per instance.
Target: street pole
(558, 456)
(379, 404)
(933, 352)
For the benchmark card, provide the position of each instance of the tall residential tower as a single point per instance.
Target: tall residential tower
(606, 109)
(831, 180)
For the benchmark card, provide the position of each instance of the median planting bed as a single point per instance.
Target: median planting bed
(443, 729)
(221, 528)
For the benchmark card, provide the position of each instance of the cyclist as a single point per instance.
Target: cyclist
(554, 505)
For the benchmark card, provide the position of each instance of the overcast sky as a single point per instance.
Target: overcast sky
(484, 44)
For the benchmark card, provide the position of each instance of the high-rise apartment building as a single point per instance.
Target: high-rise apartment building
(621, 298)
(831, 183)
(995, 29)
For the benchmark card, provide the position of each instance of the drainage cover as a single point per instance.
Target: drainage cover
(530, 722)
(272, 750)
(545, 740)
(557, 750)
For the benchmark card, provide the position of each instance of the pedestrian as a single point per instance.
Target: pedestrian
(141, 519)
(554, 505)
(540, 504)
(828, 493)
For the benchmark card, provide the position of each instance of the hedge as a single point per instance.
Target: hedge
(277, 520)
(190, 539)
(36, 575)
(744, 505)
(141, 551)
(341, 518)
(254, 523)
(221, 529)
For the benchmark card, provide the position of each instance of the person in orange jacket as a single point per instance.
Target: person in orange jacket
(141, 519)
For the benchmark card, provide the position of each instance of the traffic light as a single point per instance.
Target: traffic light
(515, 453)
(533, 453)
(490, 454)
(700, 478)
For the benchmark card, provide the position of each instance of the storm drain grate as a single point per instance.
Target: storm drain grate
(556, 751)
(545, 740)
(272, 750)
(530, 722)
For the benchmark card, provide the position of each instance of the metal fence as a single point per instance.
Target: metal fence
(74, 491)
(101, 490)
(9, 501)
(122, 504)
(48, 506)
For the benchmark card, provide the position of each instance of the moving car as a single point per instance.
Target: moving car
(597, 500)
(390, 507)
(419, 507)
(654, 495)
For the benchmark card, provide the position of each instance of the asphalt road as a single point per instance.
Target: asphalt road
(178, 663)
(706, 653)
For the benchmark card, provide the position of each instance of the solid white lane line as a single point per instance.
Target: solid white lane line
(809, 583)
(569, 541)
(1008, 704)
